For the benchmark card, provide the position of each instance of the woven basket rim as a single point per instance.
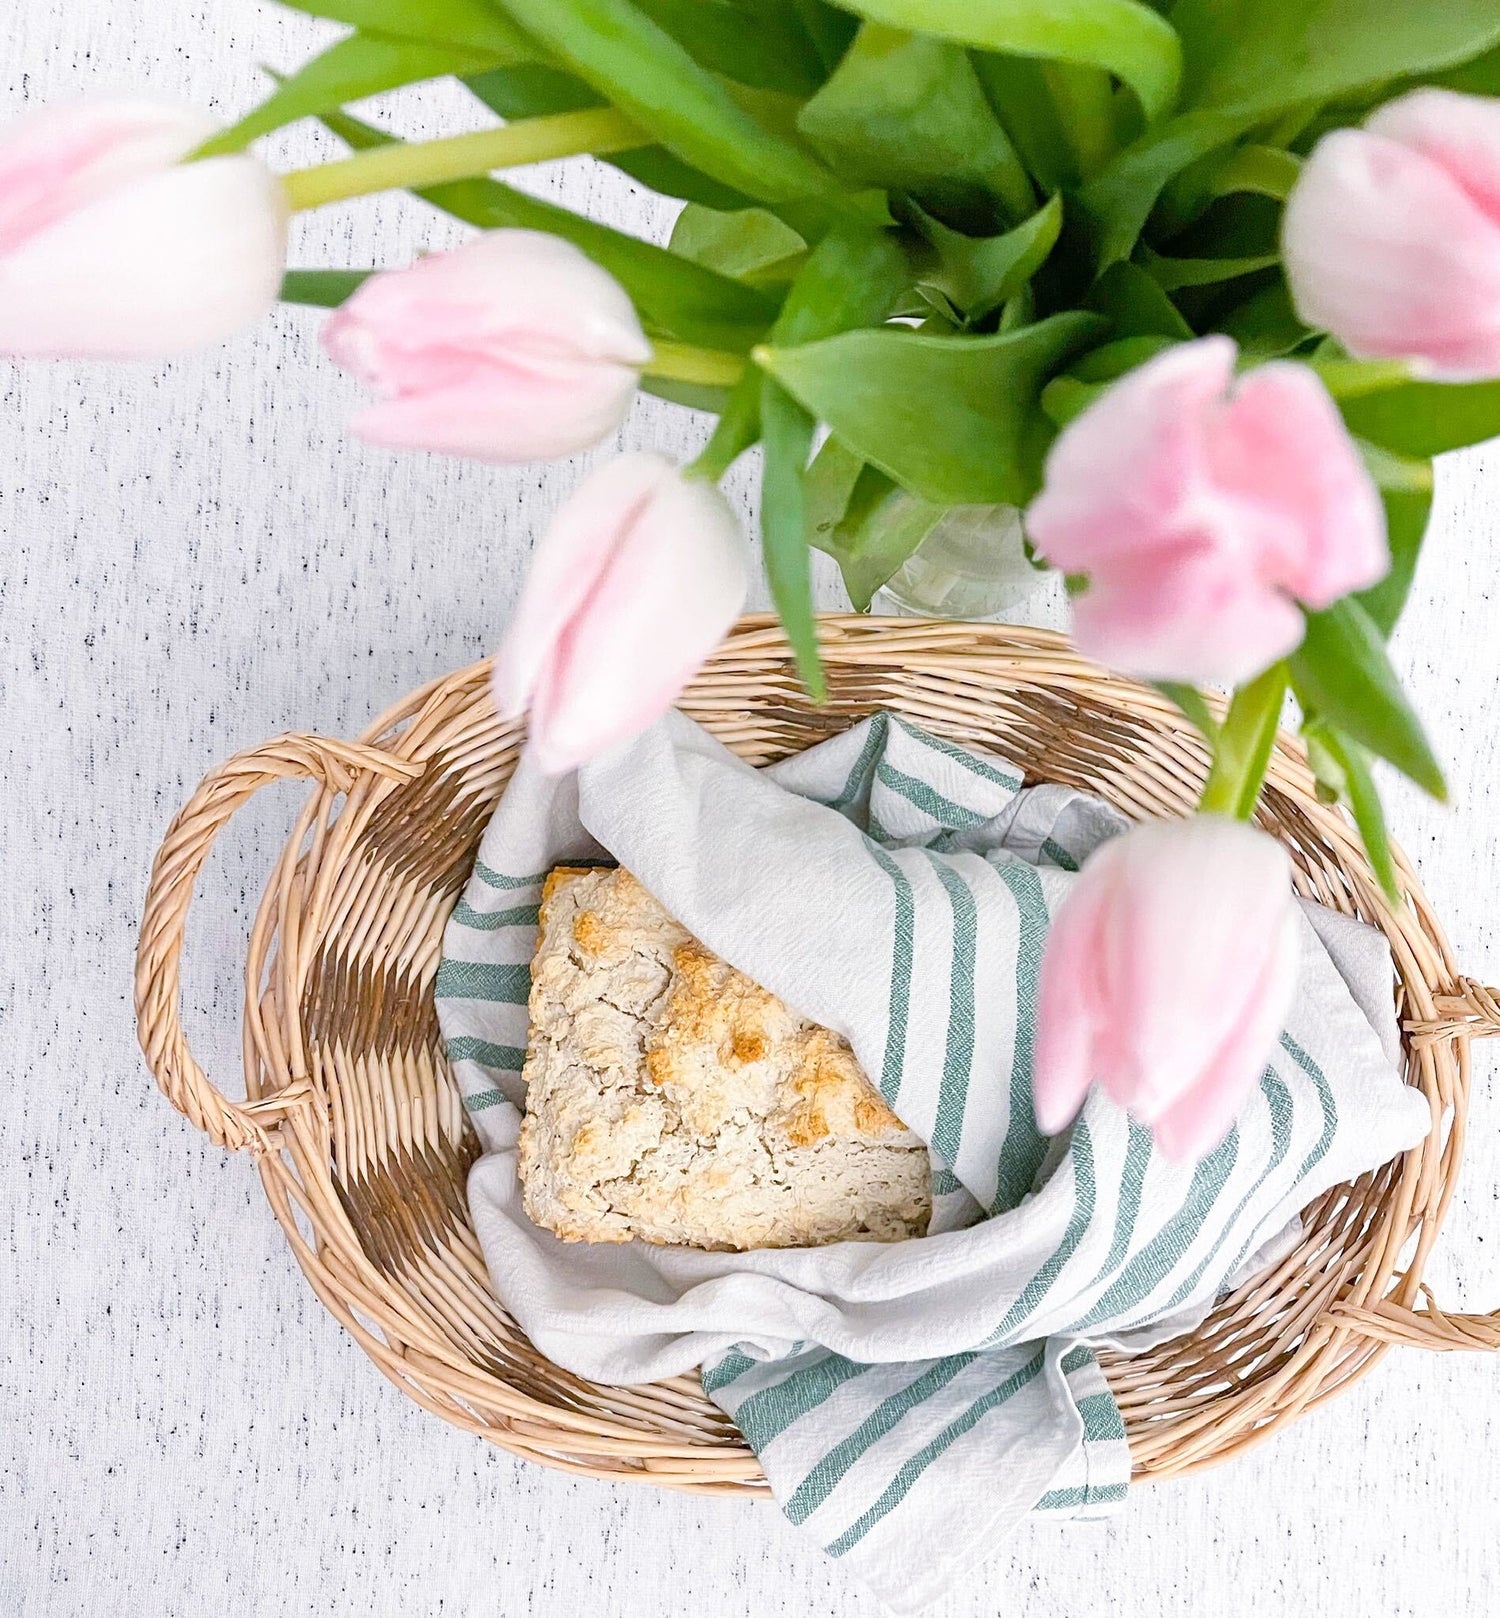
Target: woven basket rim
(362, 1148)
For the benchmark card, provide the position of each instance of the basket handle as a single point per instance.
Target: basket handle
(1471, 1013)
(334, 764)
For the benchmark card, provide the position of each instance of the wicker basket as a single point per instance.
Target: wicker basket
(363, 1147)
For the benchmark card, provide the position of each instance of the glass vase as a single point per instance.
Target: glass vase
(972, 565)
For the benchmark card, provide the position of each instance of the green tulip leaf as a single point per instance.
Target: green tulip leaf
(1247, 61)
(674, 297)
(761, 46)
(1113, 360)
(1343, 766)
(1021, 97)
(707, 397)
(1125, 38)
(1193, 706)
(1172, 274)
(1265, 325)
(1341, 673)
(1259, 57)
(905, 112)
(613, 46)
(750, 244)
(1136, 305)
(865, 522)
(979, 273)
(1405, 487)
(786, 439)
(472, 23)
(360, 65)
(736, 430)
(1420, 419)
(829, 29)
(954, 420)
(851, 279)
(321, 289)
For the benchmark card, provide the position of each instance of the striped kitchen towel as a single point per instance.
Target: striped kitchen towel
(908, 1401)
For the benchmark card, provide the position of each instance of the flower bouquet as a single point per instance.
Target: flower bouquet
(1200, 287)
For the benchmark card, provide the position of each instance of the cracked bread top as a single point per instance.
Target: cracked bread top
(672, 1099)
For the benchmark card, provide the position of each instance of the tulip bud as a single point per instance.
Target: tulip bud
(1203, 509)
(1167, 977)
(513, 347)
(112, 248)
(1392, 235)
(636, 581)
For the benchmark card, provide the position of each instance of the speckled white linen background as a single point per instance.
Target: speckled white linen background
(195, 557)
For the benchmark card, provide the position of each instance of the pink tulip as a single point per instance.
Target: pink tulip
(633, 585)
(1167, 977)
(1202, 510)
(112, 248)
(1392, 235)
(513, 347)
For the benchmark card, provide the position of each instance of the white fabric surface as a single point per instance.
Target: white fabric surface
(196, 558)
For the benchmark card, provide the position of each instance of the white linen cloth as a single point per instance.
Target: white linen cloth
(908, 1401)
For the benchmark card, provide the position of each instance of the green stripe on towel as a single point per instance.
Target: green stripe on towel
(494, 879)
(1058, 854)
(1279, 1100)
(1101, 1418)
(483, 980)
(508, 1058)
(1138, 1150)
(958, 1053)
(1021, 1155)
(487, 921)
(826, 1476)
(1071, 1499)
(901, 970)
(1325, 1098)
(976, 766)
(1084, 1197)
(770, 1411)
(875, 739)
(485, 1098)
(1160, 1256)
(905, 1480)
(733, 1365)
(927, 799)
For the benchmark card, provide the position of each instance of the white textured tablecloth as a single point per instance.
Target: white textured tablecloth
(195, 558)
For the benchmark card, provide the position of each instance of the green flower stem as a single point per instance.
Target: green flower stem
(460, 157)
(682, 362)
(1242, 748)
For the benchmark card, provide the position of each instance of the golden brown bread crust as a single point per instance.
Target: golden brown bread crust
(672, 1099)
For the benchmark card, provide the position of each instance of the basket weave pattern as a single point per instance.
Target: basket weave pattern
(364, 1149)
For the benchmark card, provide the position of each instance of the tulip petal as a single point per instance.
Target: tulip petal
(513, 347)
(1185, 614)
(1198, 1121)
(572, 556)
(506, 412)
(1199, 908)
(1387, 250)
(1068, 990)
(674, 583)
(1460, 133)
(61, 158)
(1118, 476)
(168, 263)
(1311, 508)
